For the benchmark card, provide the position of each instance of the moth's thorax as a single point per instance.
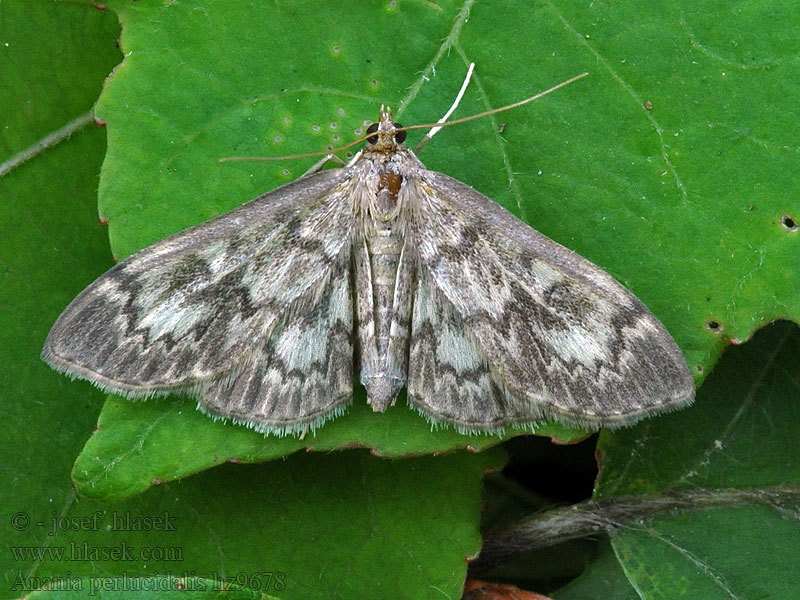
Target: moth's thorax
(387, 167)
(386, 200)
(383, 188)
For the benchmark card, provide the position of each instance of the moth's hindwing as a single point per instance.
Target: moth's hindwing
(303, 374)
(449, 378)
(541, 330)
(195, 312)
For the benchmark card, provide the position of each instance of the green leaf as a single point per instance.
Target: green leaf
(136, 445)
(399, 528)
(740, 441)
(164, 147)
(43, 263)
(602, 578)
(591, 165)
(681, 556)
(743, 431)
(656, 196)
(319, 519)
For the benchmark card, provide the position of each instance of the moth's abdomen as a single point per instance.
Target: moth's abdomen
(385, 249)
(384, 366)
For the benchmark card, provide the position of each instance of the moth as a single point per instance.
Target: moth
(404, 276)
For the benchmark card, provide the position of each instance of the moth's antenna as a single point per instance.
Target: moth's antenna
(435, 127)
(439, 124)
(435, 130)
(306, 155)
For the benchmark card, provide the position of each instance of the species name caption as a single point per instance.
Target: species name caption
(259, 312)
(59, 527)
(263, 581)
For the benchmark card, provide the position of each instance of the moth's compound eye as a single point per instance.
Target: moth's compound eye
(400, 136)
(372, 129)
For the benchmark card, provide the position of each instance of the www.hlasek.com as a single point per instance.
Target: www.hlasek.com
(85, 552)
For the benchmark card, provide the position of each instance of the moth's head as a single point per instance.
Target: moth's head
(386, 138)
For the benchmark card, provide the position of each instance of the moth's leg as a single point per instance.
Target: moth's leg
(321, 163)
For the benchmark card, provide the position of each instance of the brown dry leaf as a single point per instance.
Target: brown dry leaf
(475, 589)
